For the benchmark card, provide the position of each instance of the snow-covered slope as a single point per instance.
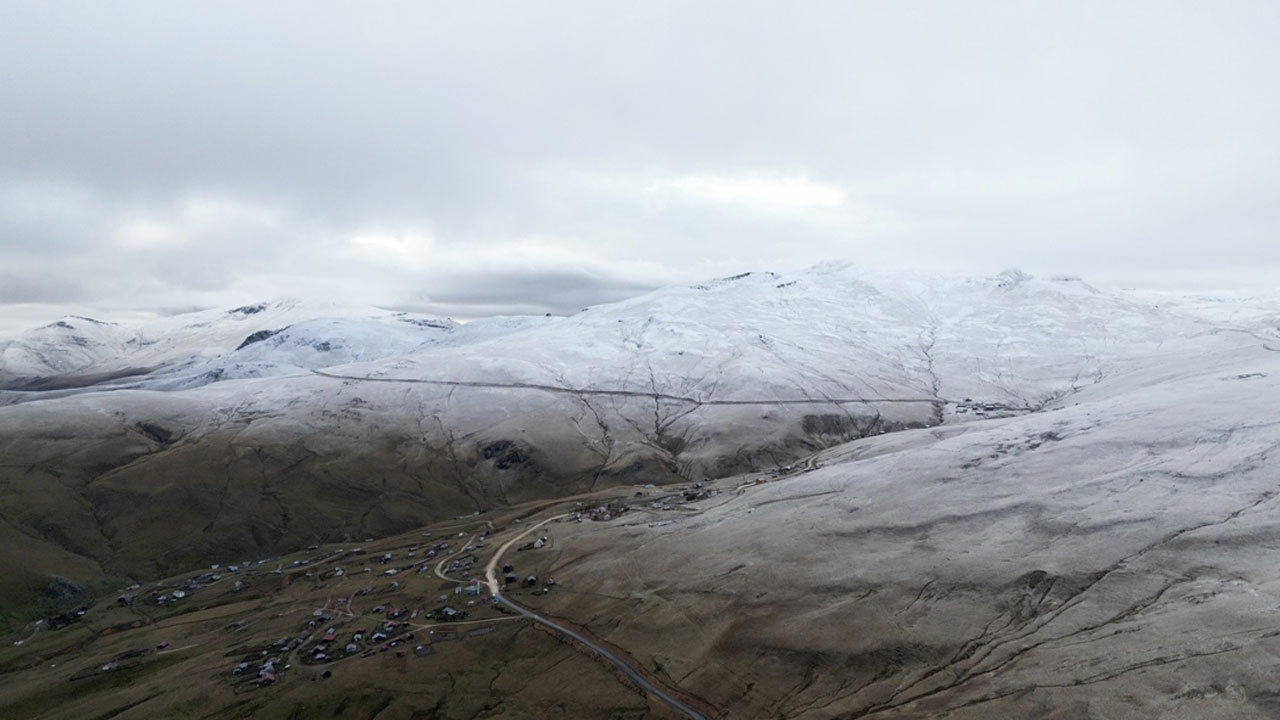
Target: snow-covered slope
(259, 428)
(79, 351)
(1110, 557)
(831, 332)
(266, 339)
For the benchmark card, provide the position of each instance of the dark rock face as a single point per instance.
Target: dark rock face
(61, 589)
(248, 310)
(258, 337)
(423, 322)
(155, 432)
(91, 320)
(505, 453)
(673, 444)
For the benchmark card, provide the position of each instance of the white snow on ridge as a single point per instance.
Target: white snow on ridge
(276, 337)
(837, 332)
(832, 332)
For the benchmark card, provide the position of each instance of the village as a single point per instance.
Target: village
(331, 609)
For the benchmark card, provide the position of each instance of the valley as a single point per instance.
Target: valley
(907, 498)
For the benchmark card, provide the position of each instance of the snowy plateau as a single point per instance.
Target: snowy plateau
(1006, 496)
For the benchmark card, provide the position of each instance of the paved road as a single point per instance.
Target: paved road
(491, 577)
(613, 659)
(798, 468)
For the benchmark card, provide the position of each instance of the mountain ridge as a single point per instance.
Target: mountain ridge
(214, 450)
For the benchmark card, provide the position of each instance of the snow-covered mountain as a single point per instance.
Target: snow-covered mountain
(1111, 557)
(832, 332)
(226, 432)
(278, 337)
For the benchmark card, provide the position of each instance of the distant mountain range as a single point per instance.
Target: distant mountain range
(132, 450)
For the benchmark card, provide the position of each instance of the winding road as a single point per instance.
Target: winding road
(38, 624)
(462, 551)
(491, 577)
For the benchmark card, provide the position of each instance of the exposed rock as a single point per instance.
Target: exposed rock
(258, 336)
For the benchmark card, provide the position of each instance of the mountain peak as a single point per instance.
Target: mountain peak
(1011, 279)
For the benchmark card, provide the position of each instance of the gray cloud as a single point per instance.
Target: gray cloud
(530, 157)
(560, 291)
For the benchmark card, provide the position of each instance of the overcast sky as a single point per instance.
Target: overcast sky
(471, 158)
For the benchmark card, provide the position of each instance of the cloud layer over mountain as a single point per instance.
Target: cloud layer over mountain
(468, 160)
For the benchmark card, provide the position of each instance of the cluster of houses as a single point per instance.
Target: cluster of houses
(698, 492)
(686, 495)
(391, 635)
(57, 622)
(509, 578)
(981, 409)
(264, 666)
(366, 642)
(161, 597)
(537, 544)
(327, 635)
(600, 513)
(449, 614)
(267, 672)
(463, 564)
